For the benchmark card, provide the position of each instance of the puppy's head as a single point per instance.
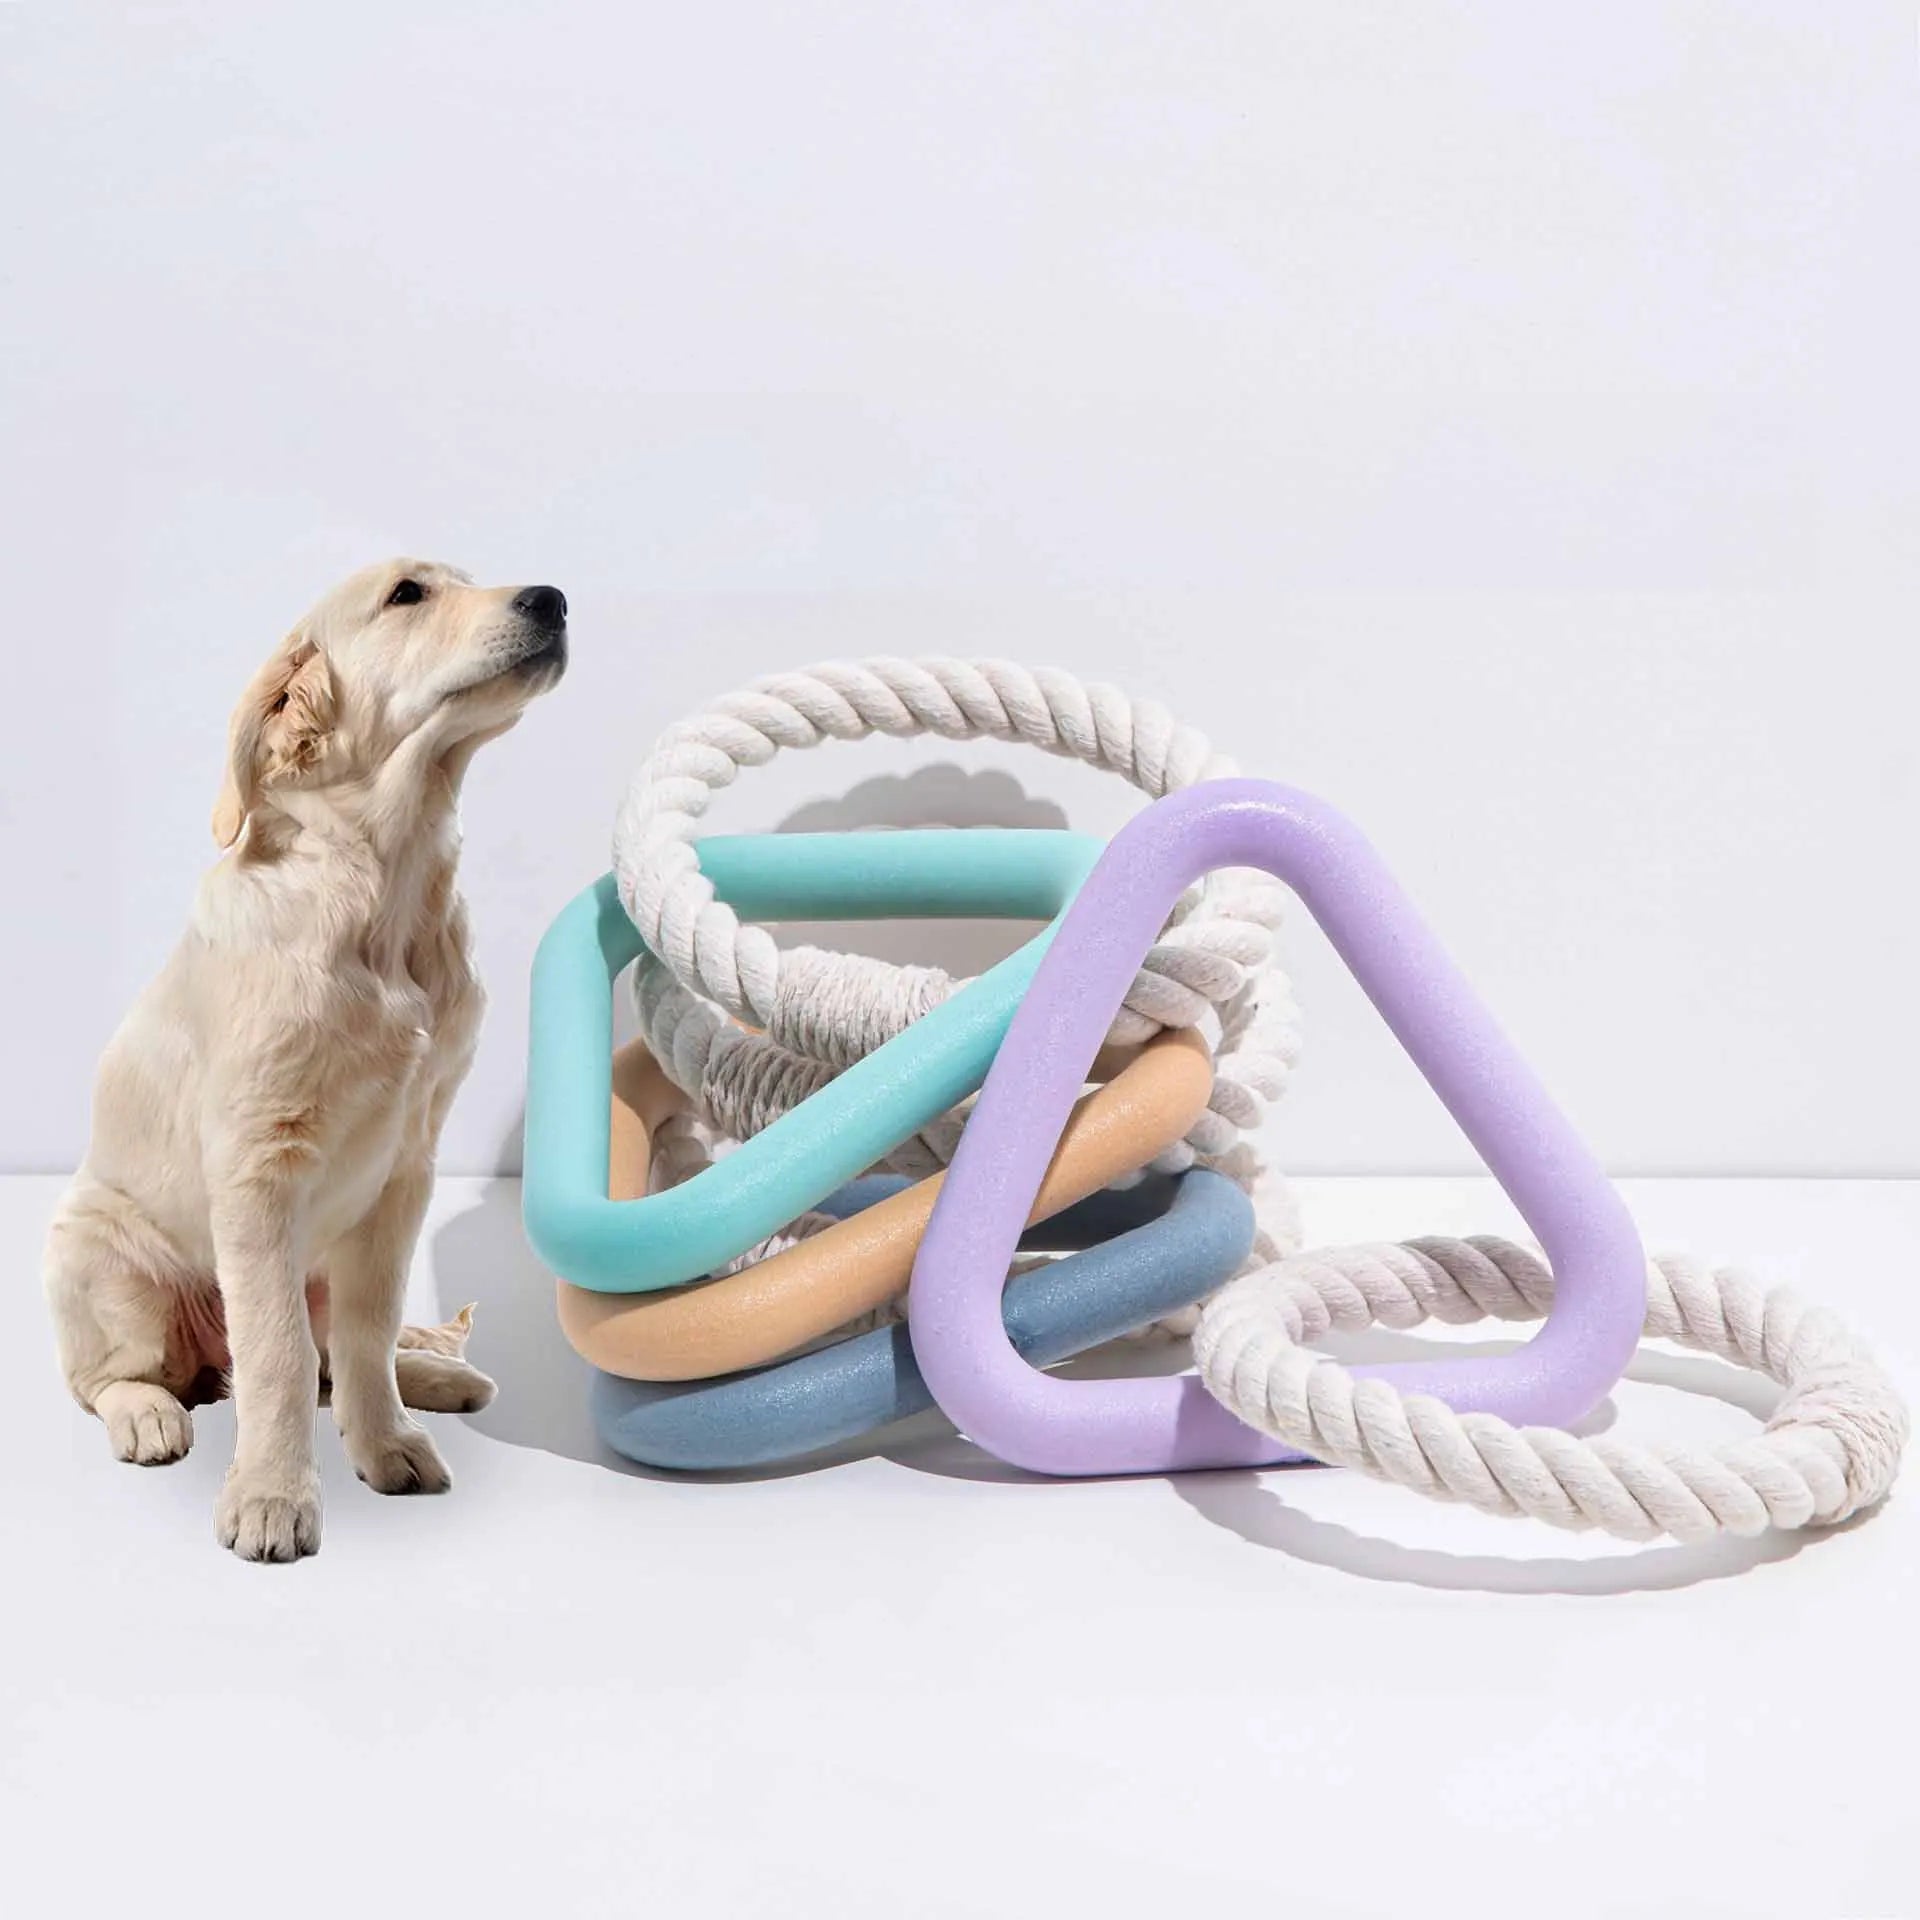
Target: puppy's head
(409, 659)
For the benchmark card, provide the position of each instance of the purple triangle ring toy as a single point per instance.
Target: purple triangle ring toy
(1049, 1425)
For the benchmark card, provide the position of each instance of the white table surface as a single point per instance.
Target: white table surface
(915, 1683)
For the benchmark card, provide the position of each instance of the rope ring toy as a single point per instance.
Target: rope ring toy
(1831, 1448)
(816, 1010)
(706, 944)
(1158, 1425)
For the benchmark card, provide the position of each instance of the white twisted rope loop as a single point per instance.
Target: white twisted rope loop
(820, 1010)
(1831, 1448)
(704, 942)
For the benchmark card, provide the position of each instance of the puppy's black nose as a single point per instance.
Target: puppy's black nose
(544, 606)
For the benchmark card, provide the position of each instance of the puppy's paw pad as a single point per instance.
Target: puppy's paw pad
(149, 1428)
(266, 1523)
(402, 1462)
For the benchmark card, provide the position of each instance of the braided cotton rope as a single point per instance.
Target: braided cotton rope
(704, 942)
(742, 1082)
(1831, 1448)
(818, 1010)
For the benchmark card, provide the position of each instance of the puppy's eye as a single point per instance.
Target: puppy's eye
(406, 593)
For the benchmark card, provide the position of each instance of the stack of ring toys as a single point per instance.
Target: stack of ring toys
(746, 1318)
(1166, 1241)
(1211, 970)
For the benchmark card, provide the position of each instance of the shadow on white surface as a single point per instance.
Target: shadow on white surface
(1254, 1505)
(481, 1254)
(943, 794)
(1256, 1510)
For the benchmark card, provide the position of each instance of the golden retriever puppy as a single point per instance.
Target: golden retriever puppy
(265, 1119)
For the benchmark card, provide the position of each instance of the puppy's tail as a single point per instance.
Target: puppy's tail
(433, 1371)
(449, 1339)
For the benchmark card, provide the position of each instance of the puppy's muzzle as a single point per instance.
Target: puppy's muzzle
(544, 610)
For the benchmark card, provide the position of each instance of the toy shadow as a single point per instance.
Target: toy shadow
(480, 1254)
(941, 795)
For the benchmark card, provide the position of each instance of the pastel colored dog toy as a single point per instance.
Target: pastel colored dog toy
(1153, 1425)
(871, 1380)
(1830, 1448)
(748, 1318)
(663, 1240)
(821, 1020)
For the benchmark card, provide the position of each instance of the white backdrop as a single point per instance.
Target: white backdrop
(1501, 418)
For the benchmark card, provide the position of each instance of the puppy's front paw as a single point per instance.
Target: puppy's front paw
(403, 1461)
(263, 1519)
(145, 1424)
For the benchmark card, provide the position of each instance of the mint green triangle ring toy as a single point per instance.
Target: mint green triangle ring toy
(667, 1239)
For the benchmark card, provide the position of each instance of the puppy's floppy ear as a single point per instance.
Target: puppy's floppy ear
(278, 730)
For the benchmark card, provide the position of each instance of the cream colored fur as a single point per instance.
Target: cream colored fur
(266, 1118)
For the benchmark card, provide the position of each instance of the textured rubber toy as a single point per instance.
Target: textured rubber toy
(1148, 1426)
(779, 1303)
(634, 1246)
(837, 1393)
